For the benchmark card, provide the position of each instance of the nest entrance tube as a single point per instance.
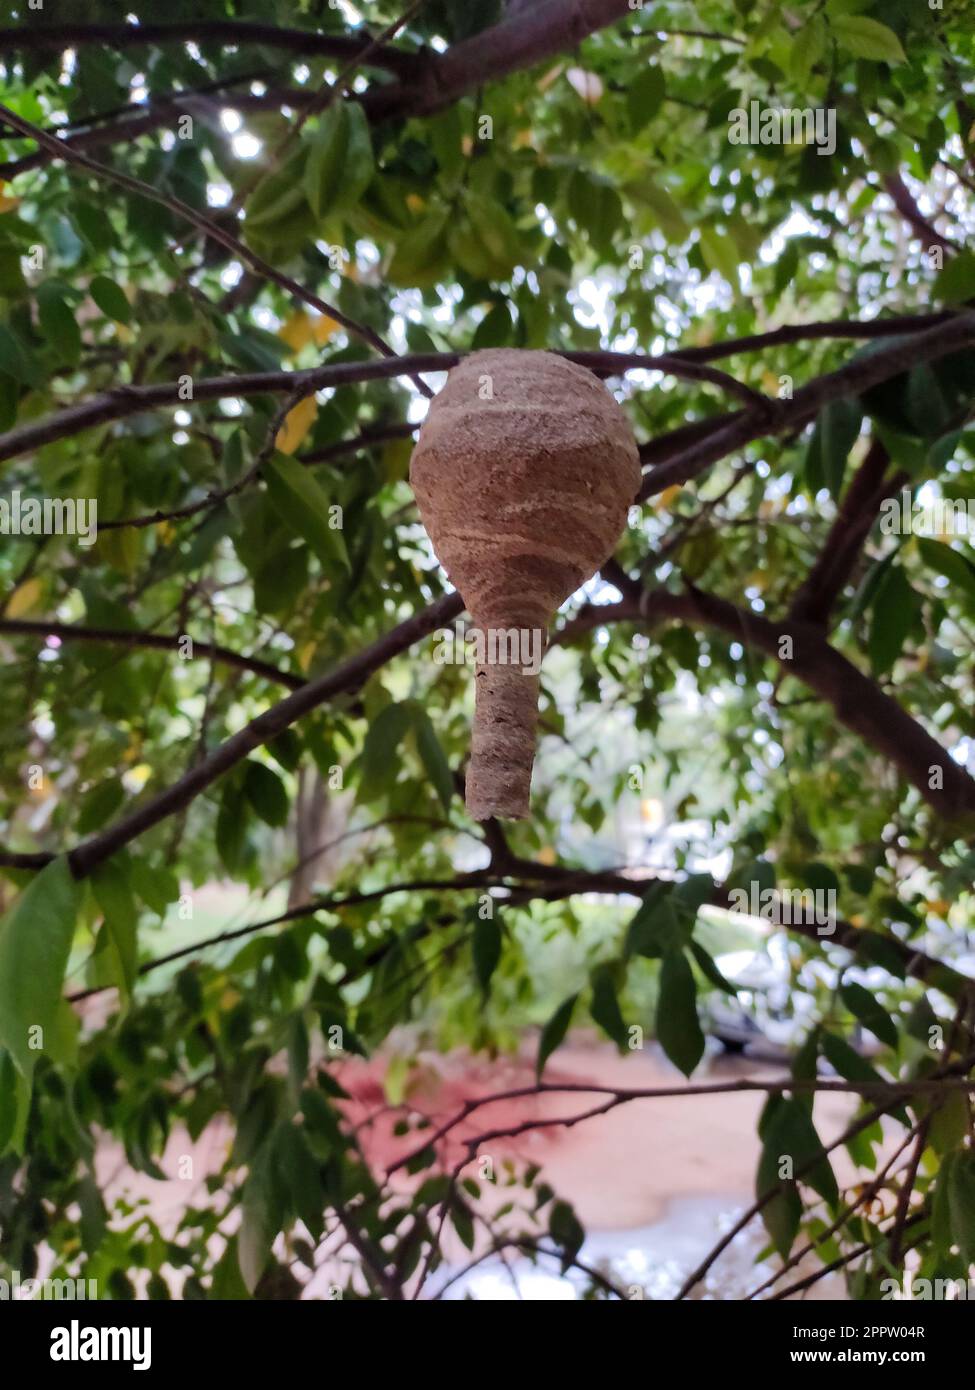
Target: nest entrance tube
(524, 472)
(503, 738)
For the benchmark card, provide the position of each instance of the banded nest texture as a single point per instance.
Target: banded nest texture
(524, 472)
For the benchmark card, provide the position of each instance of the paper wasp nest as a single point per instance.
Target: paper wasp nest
(524, 472)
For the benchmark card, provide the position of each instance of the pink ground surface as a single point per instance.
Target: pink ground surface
(619, 1170)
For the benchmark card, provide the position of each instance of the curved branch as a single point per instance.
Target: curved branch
(123, 401)
(706, 441)
(307, 42)
(347, 677)
(120, 637)
(61, 150)
(857, 701)
(738, 429)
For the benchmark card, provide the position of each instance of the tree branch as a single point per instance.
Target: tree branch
(305, 42)
(203, 224)
(120, 637)
(829, 574)
(850, 380)
(537, 33)
(347, 677)
(857, 701)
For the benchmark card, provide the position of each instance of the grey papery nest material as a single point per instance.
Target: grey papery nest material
(524, 471)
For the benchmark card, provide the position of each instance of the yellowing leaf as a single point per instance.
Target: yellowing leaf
(296, 425)
(396, 459)
(667, 497)
(414, 202)
(546, 855)
(523, 140)
(546, 80)
(7, 201)
(297, 331)
(24, 598)
(322, 329)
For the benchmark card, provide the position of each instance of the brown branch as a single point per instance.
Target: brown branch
(850, 380)
(524, 880)
(703, 442)
(856, 1127)
(905, 203)
(535, 35)
(893, 1091)
(348, 676)
(203, 224)
(141, 118)
(825, 328)
(834, 565)
(858, 702)
(123, 401)
(305, 42)
(120, 637)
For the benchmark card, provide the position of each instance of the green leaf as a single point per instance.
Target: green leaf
(566, 1231)
(953, 564)
(266, 793)
(486, 947)
(645, 96)
(955, 281)
(720, 253)
(604, 1006)
(12, 282)
(257, 1229)
(110, 298)
(340, 161)
(789, 1133)
(432, 756)
(596, 209)
(302, 505)
(852, 1067)
(839, 426)
(863, 1006)
(710, 970)
(665, 210)
(494, 330)
(231, 831)
(421, 255)
(18, 361)
(782, 1211)
(113, 893)
(554, 1033)
(279, 194)
(655, 927)
(379, 752)
(678, 1027)
(892, 616)
(94, 1218)
(961, 1202)
(35, 941)
(486, 245)
(949, 1122)
(58, 323)
(8, 1098)
(808, 46)
(867, 38)
(942, 1236)
(99, 804)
